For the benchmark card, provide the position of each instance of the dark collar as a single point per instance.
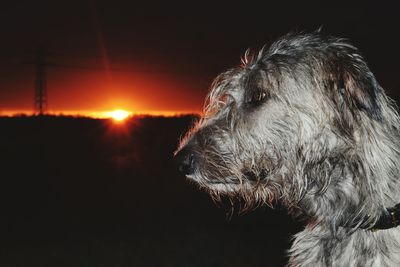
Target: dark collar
(389, 219)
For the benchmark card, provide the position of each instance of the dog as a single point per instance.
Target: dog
(305, 123)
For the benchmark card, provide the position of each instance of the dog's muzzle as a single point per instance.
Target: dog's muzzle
(185, 160)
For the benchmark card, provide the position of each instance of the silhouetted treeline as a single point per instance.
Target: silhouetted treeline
(89, 192)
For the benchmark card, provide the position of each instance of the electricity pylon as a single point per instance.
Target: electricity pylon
(41, 81)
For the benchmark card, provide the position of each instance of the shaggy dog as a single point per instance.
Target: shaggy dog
(304, 122)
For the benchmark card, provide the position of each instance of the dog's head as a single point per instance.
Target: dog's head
(283, 122)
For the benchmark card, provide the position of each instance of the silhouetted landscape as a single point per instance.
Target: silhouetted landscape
(90, 192)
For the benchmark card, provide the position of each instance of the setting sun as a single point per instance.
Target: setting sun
(119, 114)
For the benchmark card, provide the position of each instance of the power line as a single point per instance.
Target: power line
(42, 64)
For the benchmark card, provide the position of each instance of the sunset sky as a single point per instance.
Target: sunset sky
(162, 57)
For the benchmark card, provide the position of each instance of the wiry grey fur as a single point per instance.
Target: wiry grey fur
(305, 122)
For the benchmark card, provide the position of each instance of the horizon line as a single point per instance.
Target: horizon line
(104, 114)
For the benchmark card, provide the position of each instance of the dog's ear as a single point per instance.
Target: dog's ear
(363, 89)
(360, 90)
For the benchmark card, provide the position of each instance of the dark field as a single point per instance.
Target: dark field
(86, 192)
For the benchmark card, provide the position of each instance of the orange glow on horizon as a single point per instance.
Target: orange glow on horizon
(119, 115)
(112, 114)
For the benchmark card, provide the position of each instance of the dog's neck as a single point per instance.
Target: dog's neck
(337, 238)
(390, 218)
(317, 245)
(323, 243)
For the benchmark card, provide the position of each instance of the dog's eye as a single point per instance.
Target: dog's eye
(255, 86)
(256, 98)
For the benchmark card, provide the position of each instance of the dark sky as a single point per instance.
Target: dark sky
(163, 55)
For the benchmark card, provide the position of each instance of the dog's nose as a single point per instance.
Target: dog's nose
(185, 161)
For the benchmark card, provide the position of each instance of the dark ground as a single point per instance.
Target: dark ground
(86, 192)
